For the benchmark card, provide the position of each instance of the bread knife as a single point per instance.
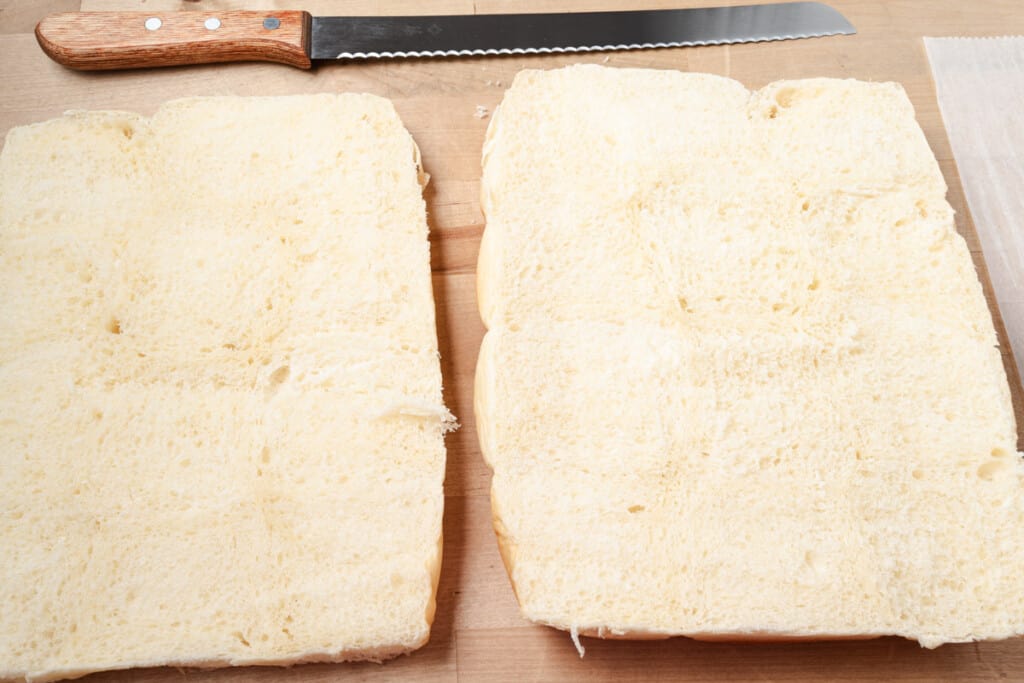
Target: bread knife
(125, 40)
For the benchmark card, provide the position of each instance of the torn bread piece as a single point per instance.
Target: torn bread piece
(740, 380)
(221, 435)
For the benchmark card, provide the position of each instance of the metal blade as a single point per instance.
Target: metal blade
(502, 34)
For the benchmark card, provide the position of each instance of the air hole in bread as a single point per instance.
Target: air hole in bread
(988, 470)
(812, 560)
(785, 97)
(280, 375)
(636, 508)
(113, 326)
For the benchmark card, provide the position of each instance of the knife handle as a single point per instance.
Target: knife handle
(95, 41)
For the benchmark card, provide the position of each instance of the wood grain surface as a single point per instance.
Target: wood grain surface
(478, 633)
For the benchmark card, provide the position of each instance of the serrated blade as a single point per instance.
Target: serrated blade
(504, 34)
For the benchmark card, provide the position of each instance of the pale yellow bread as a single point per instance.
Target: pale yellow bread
(740, 380)
(221, 433)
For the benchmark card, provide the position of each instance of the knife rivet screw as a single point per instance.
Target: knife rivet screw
(271, 23)
(153, 23)
(212, 24)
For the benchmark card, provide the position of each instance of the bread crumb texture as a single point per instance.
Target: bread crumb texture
(212, 324)
(740, 378)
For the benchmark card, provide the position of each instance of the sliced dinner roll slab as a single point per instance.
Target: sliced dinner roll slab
(740, 379)
(221, 433)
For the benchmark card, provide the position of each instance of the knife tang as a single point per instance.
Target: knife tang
(95, 41)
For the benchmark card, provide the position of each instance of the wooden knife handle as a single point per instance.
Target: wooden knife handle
(93, 41)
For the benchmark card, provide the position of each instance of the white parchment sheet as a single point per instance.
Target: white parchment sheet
(980, 85)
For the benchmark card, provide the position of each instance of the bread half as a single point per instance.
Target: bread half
(221, 433)
(740, 379)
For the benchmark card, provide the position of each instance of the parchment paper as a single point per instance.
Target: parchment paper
(980, 86)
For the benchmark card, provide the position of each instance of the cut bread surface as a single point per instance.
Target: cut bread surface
(740, 379)
(222, 416)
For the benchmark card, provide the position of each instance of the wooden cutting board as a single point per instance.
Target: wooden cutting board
(478, 634)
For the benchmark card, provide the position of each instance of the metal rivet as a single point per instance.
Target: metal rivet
(212, 24)
(153, 23)
(270, 23)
